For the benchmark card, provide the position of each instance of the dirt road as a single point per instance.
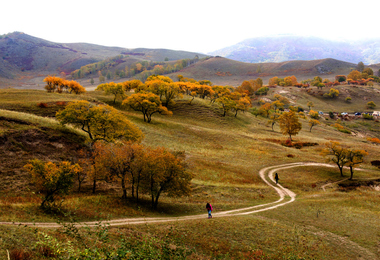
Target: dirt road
(286, 197)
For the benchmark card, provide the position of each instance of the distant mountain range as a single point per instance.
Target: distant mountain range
(20, 52)
(25, 60)
(286, 48)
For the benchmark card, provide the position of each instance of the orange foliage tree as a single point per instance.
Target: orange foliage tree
(166, 172)
(57, 84)
(52, 179)
(121, 162)
(152, 171)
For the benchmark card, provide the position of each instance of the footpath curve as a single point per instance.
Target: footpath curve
(286, 197)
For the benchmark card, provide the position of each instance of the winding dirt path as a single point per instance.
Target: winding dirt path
(286, 197)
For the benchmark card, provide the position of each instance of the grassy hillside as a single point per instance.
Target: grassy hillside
(229, 72)
(25, 59)
(225, 154)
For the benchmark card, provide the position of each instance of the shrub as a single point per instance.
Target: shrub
(290, 155)
(371, 105)
(313, 114)
(42, 105)
(60, 103)
(374, 140)
(262, 91)
(288, 143)
(367, 117)
(376, 163)
(19, 254)
(331, 115)
(346, 131)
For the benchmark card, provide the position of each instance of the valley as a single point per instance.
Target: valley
(222, 126)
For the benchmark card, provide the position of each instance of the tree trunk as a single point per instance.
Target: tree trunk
(341, 170)
(94, 186)
(156, 200)
(352, 173)
(123, 187)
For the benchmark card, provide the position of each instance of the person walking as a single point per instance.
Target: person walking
(276, 177)
(209, 209)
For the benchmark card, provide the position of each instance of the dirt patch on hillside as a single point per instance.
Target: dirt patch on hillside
(352, 185)
(17, 147)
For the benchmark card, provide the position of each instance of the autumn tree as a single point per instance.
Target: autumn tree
(246, 87)
(277, 104)
(135, 84)
(354, 75)
(100, 122)
(313, 122)
(289, 124)
(117, 160)
(368, 71)
(166, 172)
(316, 80)
(310, 104)
(313, 114)
(147, 103)
(262, 91)
(52, 179)
(265, 109)
(58, 84)
(273, 81)
(333, 93)
(243, 104)
(274, 118)
(371, 105)
(115, 89)
(335, 153)
(227, 103)
(354, 157)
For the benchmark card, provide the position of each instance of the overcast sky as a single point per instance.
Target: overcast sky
(199, 26)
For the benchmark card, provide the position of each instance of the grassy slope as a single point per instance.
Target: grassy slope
(229, 72)
(225, 154)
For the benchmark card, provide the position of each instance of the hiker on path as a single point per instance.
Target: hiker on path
(276, 177)
(209, 209)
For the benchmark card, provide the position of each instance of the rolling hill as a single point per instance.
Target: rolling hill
(21, 52)
(285, 48)
(230, 72)
(26, 60)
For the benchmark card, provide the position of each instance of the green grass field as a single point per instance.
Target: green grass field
(225, 154)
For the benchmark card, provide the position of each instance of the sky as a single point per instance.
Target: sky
(198, 26)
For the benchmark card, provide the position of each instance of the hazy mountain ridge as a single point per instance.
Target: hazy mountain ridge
(285, 48)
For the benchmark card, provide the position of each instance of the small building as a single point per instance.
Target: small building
(376, 113)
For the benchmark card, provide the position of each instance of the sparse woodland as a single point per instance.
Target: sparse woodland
(159, 147)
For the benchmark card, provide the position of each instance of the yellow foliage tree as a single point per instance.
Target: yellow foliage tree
(147, 103)
(100, 122)
(289, 124)
(52, 179)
